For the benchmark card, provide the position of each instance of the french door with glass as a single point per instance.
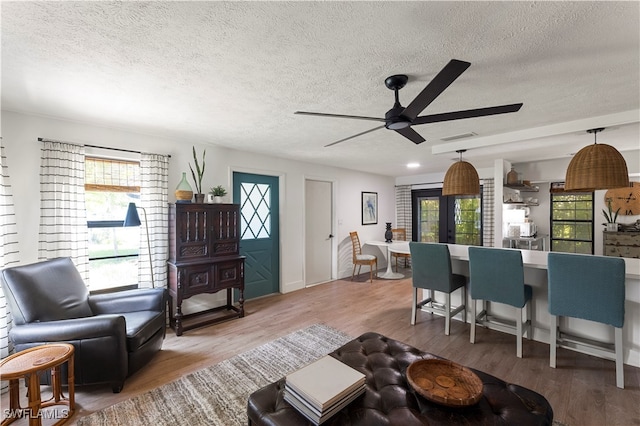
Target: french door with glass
(446, 219)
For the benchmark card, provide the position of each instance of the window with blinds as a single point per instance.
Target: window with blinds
(110, 185)
(102, 174)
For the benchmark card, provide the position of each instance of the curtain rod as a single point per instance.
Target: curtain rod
(421, 183)
(106, 147)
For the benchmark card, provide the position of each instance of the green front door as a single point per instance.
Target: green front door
(259, 230)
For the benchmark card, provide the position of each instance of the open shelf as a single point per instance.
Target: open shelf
(523, 187)
(521, 203)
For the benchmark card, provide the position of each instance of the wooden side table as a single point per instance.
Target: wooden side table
(29, 364)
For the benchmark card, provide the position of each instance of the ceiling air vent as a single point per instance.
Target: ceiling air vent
(456, 137)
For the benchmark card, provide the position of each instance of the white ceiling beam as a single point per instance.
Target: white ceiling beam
(581, 125)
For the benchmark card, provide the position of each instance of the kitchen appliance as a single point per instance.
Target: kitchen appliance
(527, 229)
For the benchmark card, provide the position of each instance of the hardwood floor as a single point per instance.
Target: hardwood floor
(581, 391)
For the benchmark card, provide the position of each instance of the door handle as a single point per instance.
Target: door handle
(330, 235)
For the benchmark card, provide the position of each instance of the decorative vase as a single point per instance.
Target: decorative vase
(512, 177)
(184, 193)
(388, 234)
(199, 198)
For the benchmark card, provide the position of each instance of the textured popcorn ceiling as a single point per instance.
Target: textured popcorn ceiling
(233, 73)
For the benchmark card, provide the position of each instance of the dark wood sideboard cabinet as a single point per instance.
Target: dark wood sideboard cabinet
(204, 257)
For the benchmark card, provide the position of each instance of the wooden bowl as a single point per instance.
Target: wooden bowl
(445, 382)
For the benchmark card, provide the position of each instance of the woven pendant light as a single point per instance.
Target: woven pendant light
(461, 179)
(597, 166)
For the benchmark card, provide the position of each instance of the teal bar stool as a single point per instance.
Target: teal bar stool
(431, 265)
(591, 288)
(497, 275)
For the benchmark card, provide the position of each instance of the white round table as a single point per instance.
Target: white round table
(397, 247)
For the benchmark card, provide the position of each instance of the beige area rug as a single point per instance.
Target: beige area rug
(217, 395)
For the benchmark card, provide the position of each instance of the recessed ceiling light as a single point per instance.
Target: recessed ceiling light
(413, 165)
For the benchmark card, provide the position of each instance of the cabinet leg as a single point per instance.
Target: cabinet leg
(178, 320)
(241, 302)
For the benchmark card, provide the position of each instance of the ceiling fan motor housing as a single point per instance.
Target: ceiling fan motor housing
(394, 119)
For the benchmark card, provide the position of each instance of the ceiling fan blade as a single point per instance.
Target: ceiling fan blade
(355, 136)
(411, 134)
(469, 113)
(356, 117)
(441, 81)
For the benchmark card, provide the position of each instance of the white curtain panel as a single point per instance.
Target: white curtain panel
(9, 255)
(154, 197)
(404, 218)
(63, 219)
(488, 215)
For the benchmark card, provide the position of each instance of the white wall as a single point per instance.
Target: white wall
(20, 133)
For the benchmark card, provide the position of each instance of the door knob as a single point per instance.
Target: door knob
(330, 235)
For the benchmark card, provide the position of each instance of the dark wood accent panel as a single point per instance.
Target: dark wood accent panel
(204, 257)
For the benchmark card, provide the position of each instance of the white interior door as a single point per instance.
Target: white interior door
(318, 231)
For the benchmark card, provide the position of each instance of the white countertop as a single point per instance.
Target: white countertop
(530, 258)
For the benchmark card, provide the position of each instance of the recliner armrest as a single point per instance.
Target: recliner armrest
(72, 329)
(149, 299)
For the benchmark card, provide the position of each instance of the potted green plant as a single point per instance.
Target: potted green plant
(216, 193)
(197, 175)
(611, 217)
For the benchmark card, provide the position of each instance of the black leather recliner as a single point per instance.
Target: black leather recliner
(114, 334)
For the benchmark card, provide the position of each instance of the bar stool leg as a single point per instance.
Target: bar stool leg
(519, 334)
(414, 308)
(619, 364)
(473, 321)
(553, 334)
(464, 302)
(447, 314)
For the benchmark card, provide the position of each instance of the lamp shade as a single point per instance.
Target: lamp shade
(597, 166)
(461, 179)
(132, 218)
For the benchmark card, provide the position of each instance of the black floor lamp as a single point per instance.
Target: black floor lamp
(132, 219)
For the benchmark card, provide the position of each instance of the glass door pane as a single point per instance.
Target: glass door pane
(467, 217)
(429, 222)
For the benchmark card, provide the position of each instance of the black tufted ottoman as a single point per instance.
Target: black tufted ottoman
(390, 400)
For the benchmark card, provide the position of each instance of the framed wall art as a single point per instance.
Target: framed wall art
(369, 208)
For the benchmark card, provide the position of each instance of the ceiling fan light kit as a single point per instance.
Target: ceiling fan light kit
(461, 179)
(401, 119)
(596, 166)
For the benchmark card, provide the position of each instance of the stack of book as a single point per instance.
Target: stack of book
(322, 388)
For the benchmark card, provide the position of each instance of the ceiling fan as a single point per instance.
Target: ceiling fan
(401, 119)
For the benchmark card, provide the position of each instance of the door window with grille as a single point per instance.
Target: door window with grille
(255, 210)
